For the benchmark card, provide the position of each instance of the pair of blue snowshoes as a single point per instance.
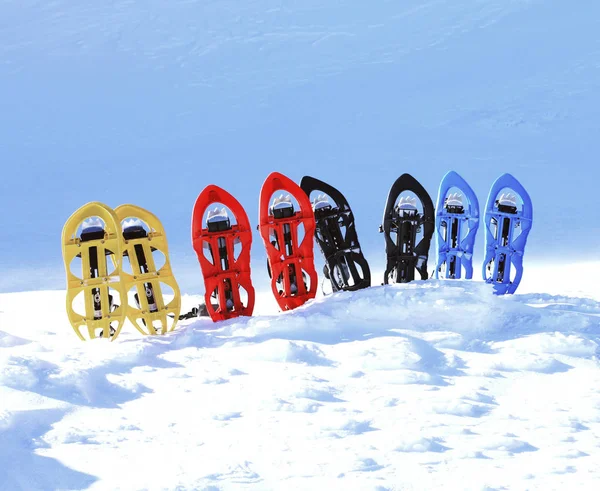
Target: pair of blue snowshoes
(508, 219)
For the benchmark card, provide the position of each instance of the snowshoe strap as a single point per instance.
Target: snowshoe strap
(199, 311)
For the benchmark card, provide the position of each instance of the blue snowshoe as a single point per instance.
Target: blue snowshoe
(508, 220)
(456, 222)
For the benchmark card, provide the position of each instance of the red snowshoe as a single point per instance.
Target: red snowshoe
(223, 250)
(287, 233)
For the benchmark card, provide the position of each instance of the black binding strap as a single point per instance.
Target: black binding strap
(200, 311)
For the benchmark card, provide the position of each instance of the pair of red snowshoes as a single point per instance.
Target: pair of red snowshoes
(222, 238)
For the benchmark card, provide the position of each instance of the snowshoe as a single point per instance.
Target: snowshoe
(346, 267)
(508, 220)
(91, 236)
(223, 250)
(407, 231)
(290, 257)
(457, 221)
(144, 246)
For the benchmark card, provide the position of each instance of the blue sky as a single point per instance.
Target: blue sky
(148, 103)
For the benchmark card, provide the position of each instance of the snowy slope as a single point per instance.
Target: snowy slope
(428, 385)
(103, 100)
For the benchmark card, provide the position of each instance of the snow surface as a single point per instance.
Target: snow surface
(428, 385)
(103, 100)
(423, 386)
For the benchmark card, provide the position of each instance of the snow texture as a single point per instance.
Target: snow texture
(148, 102)
(429, 385)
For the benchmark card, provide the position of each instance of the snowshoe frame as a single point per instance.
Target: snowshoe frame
(341, 250)
(138, 248)
(226, 273)
(288, 260)
(454, 253)
(95, 281)
(503, 248)
(403, 255)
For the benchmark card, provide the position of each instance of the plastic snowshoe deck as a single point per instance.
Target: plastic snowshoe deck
(95, 286)
(223, 251)
(457, 221)
(404, 255)
(335, 232)
(507, 228)
(290, 260)
(151, 312)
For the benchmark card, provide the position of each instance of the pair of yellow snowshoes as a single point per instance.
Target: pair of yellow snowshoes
(117, 265)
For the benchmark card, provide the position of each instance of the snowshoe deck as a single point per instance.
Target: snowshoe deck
(346, 267)
(290, 258)
(92, 292)
(143, 235)
(223, 250)
(508, 223)
(457, 221)
(400, 227)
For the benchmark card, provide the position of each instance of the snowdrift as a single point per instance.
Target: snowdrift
(417, 386)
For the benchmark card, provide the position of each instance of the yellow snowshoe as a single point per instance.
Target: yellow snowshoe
(147, 271)
(96, 294)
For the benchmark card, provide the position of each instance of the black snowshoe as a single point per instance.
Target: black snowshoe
(402, 224)
(346, 266)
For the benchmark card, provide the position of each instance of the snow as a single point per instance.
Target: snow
(427, 385)
(432, 385)
(106, 101)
